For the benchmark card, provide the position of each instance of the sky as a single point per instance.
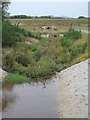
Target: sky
(61, 9)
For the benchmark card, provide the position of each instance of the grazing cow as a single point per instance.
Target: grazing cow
(49, 27)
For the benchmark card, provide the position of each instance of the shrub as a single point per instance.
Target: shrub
(67, 42)
(8, 60)
(38, 53)
(19, 37)
(78, 50)
(70, 37)
(22, 58)
(11, 34)
(72, 33)
(7, 35)
(34, 35)
(45, 66)
(19, 67)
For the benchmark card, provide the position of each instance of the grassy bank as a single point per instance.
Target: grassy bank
(17, 78)
(45, 57)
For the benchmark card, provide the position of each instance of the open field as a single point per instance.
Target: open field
(61, 25)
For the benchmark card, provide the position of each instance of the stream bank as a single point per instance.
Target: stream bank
(63, 96)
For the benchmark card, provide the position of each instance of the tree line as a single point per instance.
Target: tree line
(28, 17)
(42, 17)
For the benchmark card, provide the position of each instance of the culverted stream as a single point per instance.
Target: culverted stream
(35, 100)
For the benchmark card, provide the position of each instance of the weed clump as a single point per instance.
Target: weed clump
(70, 37)
(16, 78)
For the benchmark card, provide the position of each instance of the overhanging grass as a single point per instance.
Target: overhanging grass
(17, 79)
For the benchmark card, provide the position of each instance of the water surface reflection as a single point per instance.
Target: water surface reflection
(35, 100)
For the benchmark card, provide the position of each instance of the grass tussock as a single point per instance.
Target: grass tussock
(16, 78)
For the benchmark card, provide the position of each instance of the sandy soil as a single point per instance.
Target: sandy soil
(73, 91)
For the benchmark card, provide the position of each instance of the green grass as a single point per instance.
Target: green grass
(12, 34)
(17, 79)
(70, 37)
(62, 25)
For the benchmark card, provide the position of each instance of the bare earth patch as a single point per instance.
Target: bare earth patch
(73, 91)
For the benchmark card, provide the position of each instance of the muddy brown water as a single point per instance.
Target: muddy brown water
(34, 100)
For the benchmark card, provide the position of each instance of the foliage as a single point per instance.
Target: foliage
(17, 79)
(82, 17)
(45, 57)
(12, 34)
(70, 37)
(28, 17)
(31, 34)
(20, 17)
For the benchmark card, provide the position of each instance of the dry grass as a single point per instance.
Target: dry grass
(32, 40)
(62, 25)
